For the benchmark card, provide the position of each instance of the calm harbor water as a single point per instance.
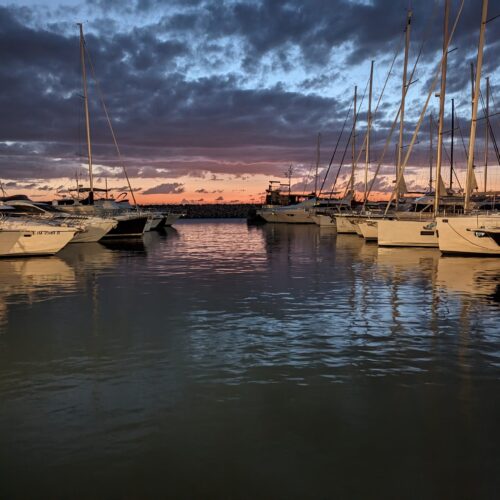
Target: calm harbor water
(226, 361)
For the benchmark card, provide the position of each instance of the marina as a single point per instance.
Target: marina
(249, 250)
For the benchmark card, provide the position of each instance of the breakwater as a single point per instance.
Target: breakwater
(212, 211)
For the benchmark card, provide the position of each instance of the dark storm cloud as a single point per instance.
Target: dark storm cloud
(318, 29)
(170, 123)
(167, 188)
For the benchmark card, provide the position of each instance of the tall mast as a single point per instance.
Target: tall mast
(403, 98)
(487, 134)
(288, 173)
(471, 88)
(442, 95)
(369, 119)
(473, 125)
(452, 146)
(431, 150)
(317, 165)
(87, 120)
(354, 139)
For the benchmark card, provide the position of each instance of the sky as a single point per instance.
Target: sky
(210, 99)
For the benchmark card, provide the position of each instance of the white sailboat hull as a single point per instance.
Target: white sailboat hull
(357, 228)
(407, 233)
(344, 225)
(323, 220)
(369, 230)
(465, 235)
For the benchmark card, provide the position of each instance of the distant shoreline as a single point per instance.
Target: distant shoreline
(208, 211)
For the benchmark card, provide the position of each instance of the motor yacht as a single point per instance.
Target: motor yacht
(93, 227)
(23, 237)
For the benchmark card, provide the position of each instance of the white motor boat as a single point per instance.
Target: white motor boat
(300, 213)
(93, 228)
(157, 220)
(128, 223)
(20, 237)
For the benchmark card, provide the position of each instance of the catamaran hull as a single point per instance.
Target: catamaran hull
(407, 233)
(469, 235)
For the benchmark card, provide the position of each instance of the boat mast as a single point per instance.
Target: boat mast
(354, 139)
(431, 159)
(452, 146)
(473, 125)
(369, 119)
(403, 98)
(317, 165)
(442, 95)
(77, 185)
(487, 134)
(471, 88)
(87, 120)
(288, 174)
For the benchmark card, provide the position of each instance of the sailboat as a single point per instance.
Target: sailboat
(351, 222)
(369, 227)
(128, 223)
(419, 229)
(473, 233)
(344, 222)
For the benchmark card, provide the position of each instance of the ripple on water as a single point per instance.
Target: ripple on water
(167, 344)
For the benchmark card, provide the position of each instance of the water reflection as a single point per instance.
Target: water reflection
(33, 279)
(217, 349)
(473, 275)
(131, 245)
